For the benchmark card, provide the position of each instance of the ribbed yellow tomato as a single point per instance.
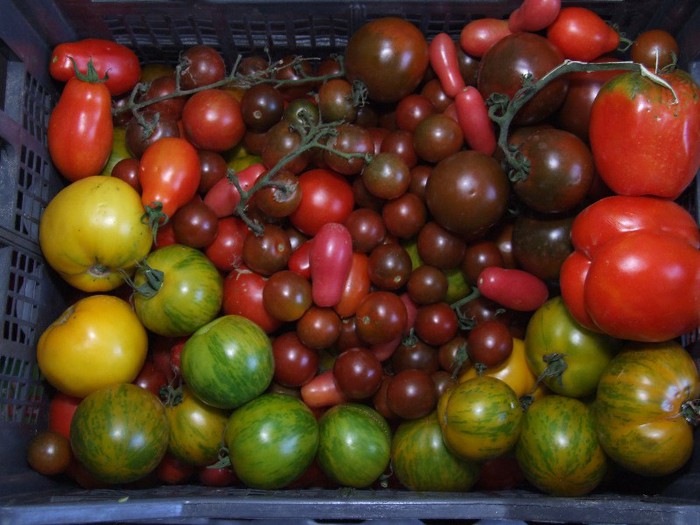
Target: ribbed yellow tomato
(96, 342)
(92, 231)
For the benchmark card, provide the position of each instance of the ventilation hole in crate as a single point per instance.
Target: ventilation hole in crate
(36, 108)
(22, 304)
(21, 391)
(32, 191)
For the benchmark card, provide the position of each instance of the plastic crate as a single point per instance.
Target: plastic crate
(158, 31)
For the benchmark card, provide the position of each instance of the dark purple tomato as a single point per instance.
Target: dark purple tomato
(335, 101)
(386, 176)
(128, 171)
(267, 252)
(414, 353)
(295, 363)
(49, 453)
(400, 142)
(366, 228)
(427, 284)
(439, 247)
(541, 244)
(262, 106)
(389, 266)
(358, 373)
(213, 168)
(490, 343)
(411, 394)
(281, 197)
(437, 137)
(436, 323)
(287, 295)
(453, 356)
(319, 328)
(479, 255)
(195, 224)
(202, 65)
(381, 317)
(355, 142)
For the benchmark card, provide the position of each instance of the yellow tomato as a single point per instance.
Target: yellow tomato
(119, 150)
(92, 232)
(96, 342)
(514, 371)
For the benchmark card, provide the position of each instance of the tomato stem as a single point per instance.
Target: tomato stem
(690, 410)
(154, 280)
(503, 109)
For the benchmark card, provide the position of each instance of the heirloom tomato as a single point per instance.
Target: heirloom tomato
(355, 444)
(558, 449)
(96, 342)
(645, 407)
(573, 356)
(665, 155)
(177, 290)
(120, 433)
(91, 233)
(481, 418)
(196, 429)
(228, 362)
(271, 440)
(421, 461)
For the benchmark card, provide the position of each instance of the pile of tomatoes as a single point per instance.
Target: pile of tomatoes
(337, 272)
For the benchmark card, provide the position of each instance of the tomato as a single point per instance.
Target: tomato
(95, 342)
(490, 343)
(357, 372)
(226, 250)
(478, 35)
(120, 433)
(287, 295)
(436, 323)
(323, 391)
(61, 410)
(325, 197)
(443, 59)
(116, 63)
(467, 193)
(210, 476)
(177, 290)
(295, 363)
(356, 287)
(421, 461)
(533, 15)
(645, 244)
(514, 371)
(473, 118)
(243, 295)
(91, 232)
(173, 471)
(330, 261)
(355, 444)
(503, 66)
(644, 397)
(228, 362)
(541, 244)
(480, 419)
(196, 429)
(666, 131)
(574, 356)
(271, 440)
(582, 34)
(169, 174)
(202, 65)
(389, 55)
(195, 224)
(381, 317)
(655, 48)
(80, 129)
(151, 378)
(223, 197)
(558, 450)
(49, 453)
(512, 288)
(212, 120)
(411, 394)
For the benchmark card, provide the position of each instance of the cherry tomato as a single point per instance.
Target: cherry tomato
(325, 197)
(223, 197)
(480, 34)
(581, 34)
(357, 285)
(226, 250)
(243, 295)
(330, 261)
(212, 120)
(512, 288)
(322, 391)
(295, 363)
(443, 60)
(655, 48)
(473, 119)
(49, 453)
(533, 15)
(358, 373)
(411, 394)
(490, 343)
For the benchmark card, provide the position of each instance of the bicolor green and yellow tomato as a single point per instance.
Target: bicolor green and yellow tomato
(271, 440)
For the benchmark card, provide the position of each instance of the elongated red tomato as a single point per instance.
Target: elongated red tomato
(582, 34)
(169, 173)
(330, 261)
(479, 35)
(80, 130)
(356, 286)
(224, 196)
(114, 62)
(322, 391)
(513, 288)
(533, 15)
(473, 118)
(443, 60)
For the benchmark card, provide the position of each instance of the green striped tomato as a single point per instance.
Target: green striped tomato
(196, 429)
(421, 461)
(641, 407)
(583, 354)
(119, 433)
(188, 295)
(481, 418)
(355, 444)
(228, 362)
(558, 450)
(271, 440)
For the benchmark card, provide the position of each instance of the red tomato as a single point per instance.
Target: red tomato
(169, 174)
(322, 391)
(325, 197)
(300, 260)
(216, 477)
(582, 35)
(213, 121)
(513, 288)
(666, 134)
(227, 248)
(443, 60)
(223, 197)
(473, 118)
(330, 261)
(61, 410)
(533, 15)
(80, 130)
(357, 285)
(479, 35)
(243, 295)
(173, 471)
(151, 378)
(116, 62)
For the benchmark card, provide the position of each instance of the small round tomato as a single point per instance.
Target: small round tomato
(325, 197)
(49, 453)
(212, 120)
(96, 342)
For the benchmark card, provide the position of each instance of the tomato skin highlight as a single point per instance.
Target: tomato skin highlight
(513, 288)
(80, 129)
(443, 60)
(117, 62)
(330, 261)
